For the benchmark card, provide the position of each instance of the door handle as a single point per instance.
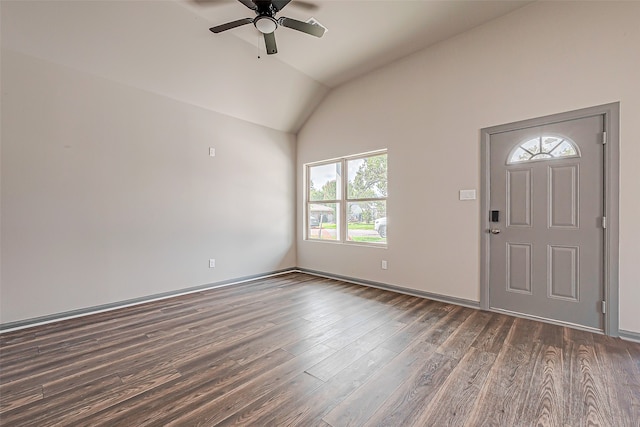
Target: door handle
(494, 231)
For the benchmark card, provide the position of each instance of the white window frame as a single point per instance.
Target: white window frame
(342, 202)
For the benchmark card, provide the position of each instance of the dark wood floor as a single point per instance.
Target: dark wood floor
(302, 350)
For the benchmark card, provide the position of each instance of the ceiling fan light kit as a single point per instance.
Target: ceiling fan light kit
(266, 22)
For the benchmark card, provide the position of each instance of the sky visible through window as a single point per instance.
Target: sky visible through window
(322, 174)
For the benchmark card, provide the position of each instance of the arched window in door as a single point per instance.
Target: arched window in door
(543, 148)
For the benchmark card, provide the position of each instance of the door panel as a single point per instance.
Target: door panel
(563, 272)
(563, 196)
(519, 268)
(547, 259)
(519, 198)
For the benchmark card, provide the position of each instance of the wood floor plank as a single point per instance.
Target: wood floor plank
(551, 335)
(543, 404)
(17, 352)
(128, 390)
(221, 377)
(104, 324)
(352, 334)
(19, 337)
(443, 329)
(634, 353)
(622, 383)
(210, 412)
(127, 337)
(9, 401)
(309, 410)
(414, 393)
(131, 351)
(459, 341)
(525, 333)
(491, 338)
(589, 403)
(50, 410)
(358, 407)
(23, 378)
(352, 352)
(300, 350)
(358, 316)
(270, 409)
(413, 309)
(419, 329)
(454, 401)
(498, 400)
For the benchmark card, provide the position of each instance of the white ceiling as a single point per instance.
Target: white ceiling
(165, 47)
(363, 34)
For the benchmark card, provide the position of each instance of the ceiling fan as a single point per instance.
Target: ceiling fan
(266, 22)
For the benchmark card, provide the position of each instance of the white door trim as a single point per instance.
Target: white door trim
(611, 113)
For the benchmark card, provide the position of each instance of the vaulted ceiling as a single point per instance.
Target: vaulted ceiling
(165, 47)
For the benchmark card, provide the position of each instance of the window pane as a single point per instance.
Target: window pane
(549, 143)
(519, 156)
(532, 146)
(565, 150)
(323, 221)
(324, 182)
(367, 222)
(367, 177)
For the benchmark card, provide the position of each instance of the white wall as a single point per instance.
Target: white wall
(108, 192)
(164, 47)
(428, 109)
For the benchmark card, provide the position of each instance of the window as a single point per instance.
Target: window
(543, 148)
(348, 207)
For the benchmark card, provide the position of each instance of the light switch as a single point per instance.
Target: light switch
(467, 194)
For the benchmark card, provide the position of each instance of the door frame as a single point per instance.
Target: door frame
(611, 185)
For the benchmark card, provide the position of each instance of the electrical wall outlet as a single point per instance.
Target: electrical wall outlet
(212, 263)
(383, 264)
(212, 152)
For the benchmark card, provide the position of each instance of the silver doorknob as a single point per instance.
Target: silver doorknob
(495, 231)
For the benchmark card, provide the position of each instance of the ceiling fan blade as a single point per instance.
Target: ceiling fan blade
(270, 43)
(278, 5)
(249, 4)
(305, 27)
(230, 25)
